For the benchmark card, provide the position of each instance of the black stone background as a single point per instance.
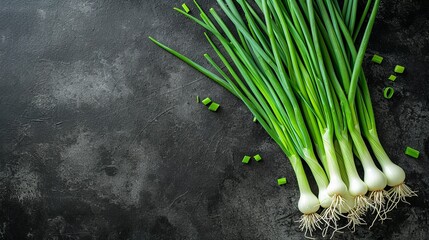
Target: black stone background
(101, 137)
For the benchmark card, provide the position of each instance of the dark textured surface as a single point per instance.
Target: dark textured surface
(101, 137)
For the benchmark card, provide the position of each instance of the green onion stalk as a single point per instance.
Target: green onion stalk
(335, 50)
(359, 96)
(264, 87)
(310, 78)
(358, 187)
(280, 80)
(395, 175)
(305, 148)
(374, 179)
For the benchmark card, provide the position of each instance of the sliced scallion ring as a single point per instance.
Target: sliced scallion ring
(388, 92)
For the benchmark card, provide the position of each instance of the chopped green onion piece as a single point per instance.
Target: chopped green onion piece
(377, 59)
(198, 99)
(257, 157)
(213, 107)
(246, 159)
(412, 152)
(388, 92)
(281, 181)
(254, 119)
(392, 78)
(399, 69)
(206, 101)
(185, 7)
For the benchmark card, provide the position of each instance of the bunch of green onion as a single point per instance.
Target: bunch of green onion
(297, 66)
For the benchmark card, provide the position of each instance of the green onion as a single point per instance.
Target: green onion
(394, 174)
(388, 92)
(257, 157)
(297, 66)
(246, 159)
(399, 69)
(254, 119)
(206, 101)
(281, 181)
(412, 152)
(185, 7)
(376, 58)
(214, 107)
(392, 77)
(198, 99)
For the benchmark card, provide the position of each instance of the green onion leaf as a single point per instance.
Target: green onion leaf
(246, 159)
(399, 69)
(412, 152)
(281, 181)
(214, 107)
(185, 7)
(392, 77)
(377, 59)
(206, 101)
(257, 157)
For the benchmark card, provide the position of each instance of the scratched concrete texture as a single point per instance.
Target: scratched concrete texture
(101, 137)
